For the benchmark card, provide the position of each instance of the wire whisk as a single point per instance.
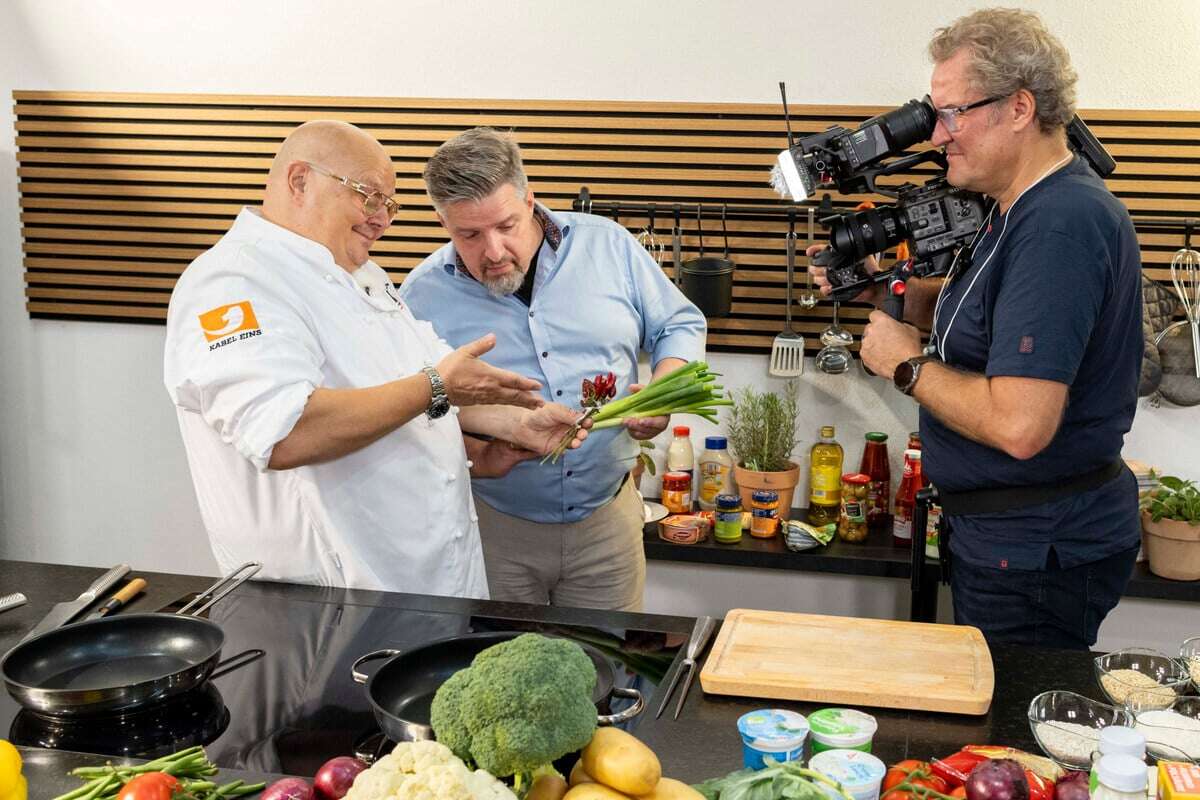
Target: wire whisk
(1185, 276)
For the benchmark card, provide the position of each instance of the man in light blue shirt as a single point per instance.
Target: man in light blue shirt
(569, 296)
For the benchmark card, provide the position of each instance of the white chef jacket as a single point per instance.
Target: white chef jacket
(254, 326)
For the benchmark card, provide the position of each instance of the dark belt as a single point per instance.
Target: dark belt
(1010, 498)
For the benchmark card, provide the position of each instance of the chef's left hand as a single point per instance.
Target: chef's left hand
(646, 427)
(886, 343)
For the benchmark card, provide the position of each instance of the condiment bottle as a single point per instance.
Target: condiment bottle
(906, 497)
(879, 493)
(764, 513)
(852, 522)
(716, 472)
(1116, 739)
(728, 527)
(914, 441)
(677, 492)
(680, 457)
(825, 479)
(1121, 777)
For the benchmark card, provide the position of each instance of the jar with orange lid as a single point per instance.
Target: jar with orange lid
(677, 492)
(852, 521)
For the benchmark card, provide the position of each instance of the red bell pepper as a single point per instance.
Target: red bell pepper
(954, 769)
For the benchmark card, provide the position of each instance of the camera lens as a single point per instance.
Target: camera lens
(862, 233)
(909, 124)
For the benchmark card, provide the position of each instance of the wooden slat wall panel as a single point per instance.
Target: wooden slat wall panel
(119, 192)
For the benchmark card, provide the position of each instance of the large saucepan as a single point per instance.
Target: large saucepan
(115, 664)
(401, 691)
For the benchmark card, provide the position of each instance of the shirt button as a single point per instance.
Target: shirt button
(470, 463)
(451, 478)
(474, 517)
(558, 392)
(570, 472)
(545, 353)
(328, 278)
(531, 313)
(570, 508)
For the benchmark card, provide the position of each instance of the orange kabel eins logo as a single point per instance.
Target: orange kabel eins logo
(224, 321)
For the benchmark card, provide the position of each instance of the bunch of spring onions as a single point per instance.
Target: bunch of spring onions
(691, 389)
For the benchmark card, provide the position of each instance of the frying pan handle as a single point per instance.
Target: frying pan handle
(639, 703)
(234, 662)
(234, 579)
(362, 677)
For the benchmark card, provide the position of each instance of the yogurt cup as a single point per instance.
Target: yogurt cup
(773, 733)
(841, 729)
(859, 773)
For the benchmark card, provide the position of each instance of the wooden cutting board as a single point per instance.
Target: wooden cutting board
(851, 661)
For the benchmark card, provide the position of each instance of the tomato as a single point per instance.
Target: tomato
(150, 786)
(910, 773)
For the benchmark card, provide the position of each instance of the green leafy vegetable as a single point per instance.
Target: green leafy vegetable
(777, 781)
(1173, 499)
(191, 766)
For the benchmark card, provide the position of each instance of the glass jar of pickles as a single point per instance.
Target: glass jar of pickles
(852, 521)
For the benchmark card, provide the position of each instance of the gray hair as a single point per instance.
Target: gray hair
(472, 166)
(1011, 49)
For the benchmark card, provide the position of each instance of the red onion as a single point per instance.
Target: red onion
(288, 789)
(1073, 787)
(997, 779)
(336, 776)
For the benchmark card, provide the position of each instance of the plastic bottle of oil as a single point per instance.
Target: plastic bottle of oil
(825, 479)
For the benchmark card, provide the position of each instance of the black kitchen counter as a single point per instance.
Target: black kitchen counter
(701, 744)
(875, 557)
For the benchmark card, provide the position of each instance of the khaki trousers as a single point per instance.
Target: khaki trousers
(598, 562)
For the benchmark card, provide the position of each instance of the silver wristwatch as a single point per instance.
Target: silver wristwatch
(440, 403)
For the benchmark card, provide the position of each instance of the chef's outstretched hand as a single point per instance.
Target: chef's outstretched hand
(471, 381)
(540, 431)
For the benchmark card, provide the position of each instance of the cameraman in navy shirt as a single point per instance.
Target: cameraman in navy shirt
(1032, 382)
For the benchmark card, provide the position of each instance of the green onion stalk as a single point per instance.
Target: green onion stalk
(690, 389)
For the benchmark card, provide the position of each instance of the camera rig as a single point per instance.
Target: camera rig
(939, 221)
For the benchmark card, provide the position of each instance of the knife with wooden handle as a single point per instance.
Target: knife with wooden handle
(127, 593)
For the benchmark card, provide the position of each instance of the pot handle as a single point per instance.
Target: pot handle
(234, 662)
(362, 677)
(639, 703)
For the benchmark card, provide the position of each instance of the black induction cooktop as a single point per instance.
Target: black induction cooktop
(291, 702)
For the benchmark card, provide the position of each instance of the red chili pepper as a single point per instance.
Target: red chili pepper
(954, 769)
(1039, 787)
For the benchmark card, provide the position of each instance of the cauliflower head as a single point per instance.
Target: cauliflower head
(425, 771)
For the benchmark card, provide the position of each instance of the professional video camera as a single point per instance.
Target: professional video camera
(936, 219)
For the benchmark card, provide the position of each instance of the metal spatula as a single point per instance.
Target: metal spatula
(787, 352)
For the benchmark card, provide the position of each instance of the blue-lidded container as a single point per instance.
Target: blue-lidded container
(715, 443)
(771, 732)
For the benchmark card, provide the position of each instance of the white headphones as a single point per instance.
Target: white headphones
(938, 342)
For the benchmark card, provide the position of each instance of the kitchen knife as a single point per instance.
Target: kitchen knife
(700, 633)
(127, 593)
(63, 613)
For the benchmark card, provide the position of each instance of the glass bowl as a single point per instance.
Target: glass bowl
(1189, 653)
(1171, 733)
(1152, 678)
(1067, 726)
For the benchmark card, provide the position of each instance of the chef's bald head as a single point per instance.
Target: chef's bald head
(335, 145)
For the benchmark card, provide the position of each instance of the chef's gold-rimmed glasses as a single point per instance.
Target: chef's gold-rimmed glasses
(373, 199)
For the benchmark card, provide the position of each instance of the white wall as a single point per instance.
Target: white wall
(91, 469)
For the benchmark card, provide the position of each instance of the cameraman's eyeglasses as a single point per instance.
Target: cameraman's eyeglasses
(373, 200)
(949, 116)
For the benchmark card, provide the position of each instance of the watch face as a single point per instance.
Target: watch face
(439, 408)
(903, 376)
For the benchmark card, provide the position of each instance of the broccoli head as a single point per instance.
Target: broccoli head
(519, 706)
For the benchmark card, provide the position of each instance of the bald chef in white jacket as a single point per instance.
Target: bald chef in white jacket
(322, 421)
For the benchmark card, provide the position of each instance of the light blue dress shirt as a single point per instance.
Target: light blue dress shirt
(598, 298)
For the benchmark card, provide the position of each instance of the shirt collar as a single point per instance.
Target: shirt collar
(554, 226)
(251, 223)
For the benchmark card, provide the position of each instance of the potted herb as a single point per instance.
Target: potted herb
(762, 433)
(1171, 528)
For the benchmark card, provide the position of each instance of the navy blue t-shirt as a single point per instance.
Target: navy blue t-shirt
(1054, 292)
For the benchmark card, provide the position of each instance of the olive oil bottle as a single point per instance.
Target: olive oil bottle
(825, 479)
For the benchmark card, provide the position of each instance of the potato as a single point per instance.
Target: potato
(547, 787)
(579, 775)
(594, 791)
(620, 761)
(671, 789)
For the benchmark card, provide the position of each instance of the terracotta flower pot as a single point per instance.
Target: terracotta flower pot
(749, 480)
(1173, 547)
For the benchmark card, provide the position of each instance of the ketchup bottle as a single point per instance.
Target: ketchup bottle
(879, 493)
(906, 498)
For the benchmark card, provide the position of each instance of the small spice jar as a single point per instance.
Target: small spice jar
(677, 492)
(764, 513)
(728, 527)
(852, 522)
